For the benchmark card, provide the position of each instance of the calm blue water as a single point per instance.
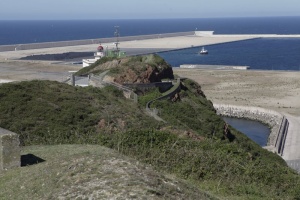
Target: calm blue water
(266, 54)
(19, 32)
(256, 131)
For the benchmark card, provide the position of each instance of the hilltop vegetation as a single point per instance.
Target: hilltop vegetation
(136, 69)
(192, 145)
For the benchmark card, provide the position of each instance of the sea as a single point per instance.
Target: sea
(262, 54)
(258, 54)
(256, 131)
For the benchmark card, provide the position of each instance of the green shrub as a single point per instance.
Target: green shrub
(150, 95)
(87, 70)
(210, 161)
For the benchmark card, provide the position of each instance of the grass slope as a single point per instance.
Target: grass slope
(90, 172)
(46, 112)
(191, 145)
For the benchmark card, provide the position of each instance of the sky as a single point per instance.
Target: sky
(143, 9)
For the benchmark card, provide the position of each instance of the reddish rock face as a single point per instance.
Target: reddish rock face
(149, 75)
(136, 69)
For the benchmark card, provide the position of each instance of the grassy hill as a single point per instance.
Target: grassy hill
(84, 171)
(192, 144)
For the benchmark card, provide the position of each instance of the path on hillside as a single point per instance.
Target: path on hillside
(153, 112)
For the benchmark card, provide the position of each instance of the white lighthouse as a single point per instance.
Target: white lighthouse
(99, 54)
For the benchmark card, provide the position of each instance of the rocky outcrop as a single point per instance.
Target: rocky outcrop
(136, 69)
(149, 75)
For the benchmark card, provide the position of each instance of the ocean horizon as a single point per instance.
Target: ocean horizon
(36, 31)
(264, 54)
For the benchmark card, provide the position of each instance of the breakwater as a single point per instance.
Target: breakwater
(277, 122)
(17, 47)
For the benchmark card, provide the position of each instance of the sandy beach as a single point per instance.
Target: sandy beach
(17, 70)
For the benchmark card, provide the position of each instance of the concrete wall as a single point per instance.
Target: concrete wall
(204, 33)
(145, 86)
(280, 141)
(97, 81)
(214, 67)
(271, 118)
(9, 150)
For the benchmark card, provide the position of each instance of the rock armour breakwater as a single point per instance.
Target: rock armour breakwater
(273, 119)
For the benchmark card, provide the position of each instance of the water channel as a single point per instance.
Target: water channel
(256, 131)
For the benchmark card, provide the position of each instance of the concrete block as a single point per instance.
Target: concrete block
(9, 150)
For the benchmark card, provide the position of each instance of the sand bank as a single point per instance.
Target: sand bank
(15, 70)
(274, 90)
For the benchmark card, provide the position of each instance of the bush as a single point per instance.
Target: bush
(209, 161)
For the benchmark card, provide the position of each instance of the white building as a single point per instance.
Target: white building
(99, 54)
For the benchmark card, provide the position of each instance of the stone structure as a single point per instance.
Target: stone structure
(9, 150)
(97, 81)
(281, 137)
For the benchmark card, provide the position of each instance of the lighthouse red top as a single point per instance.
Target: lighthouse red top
(100, 48)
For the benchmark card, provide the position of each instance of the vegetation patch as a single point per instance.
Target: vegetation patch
(91, 172)
(47, 112)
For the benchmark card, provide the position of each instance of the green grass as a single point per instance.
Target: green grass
(150, 95)
(90, 171)
(231, 169)
(91, 68)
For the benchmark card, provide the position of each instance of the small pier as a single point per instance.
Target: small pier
(214, 67)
